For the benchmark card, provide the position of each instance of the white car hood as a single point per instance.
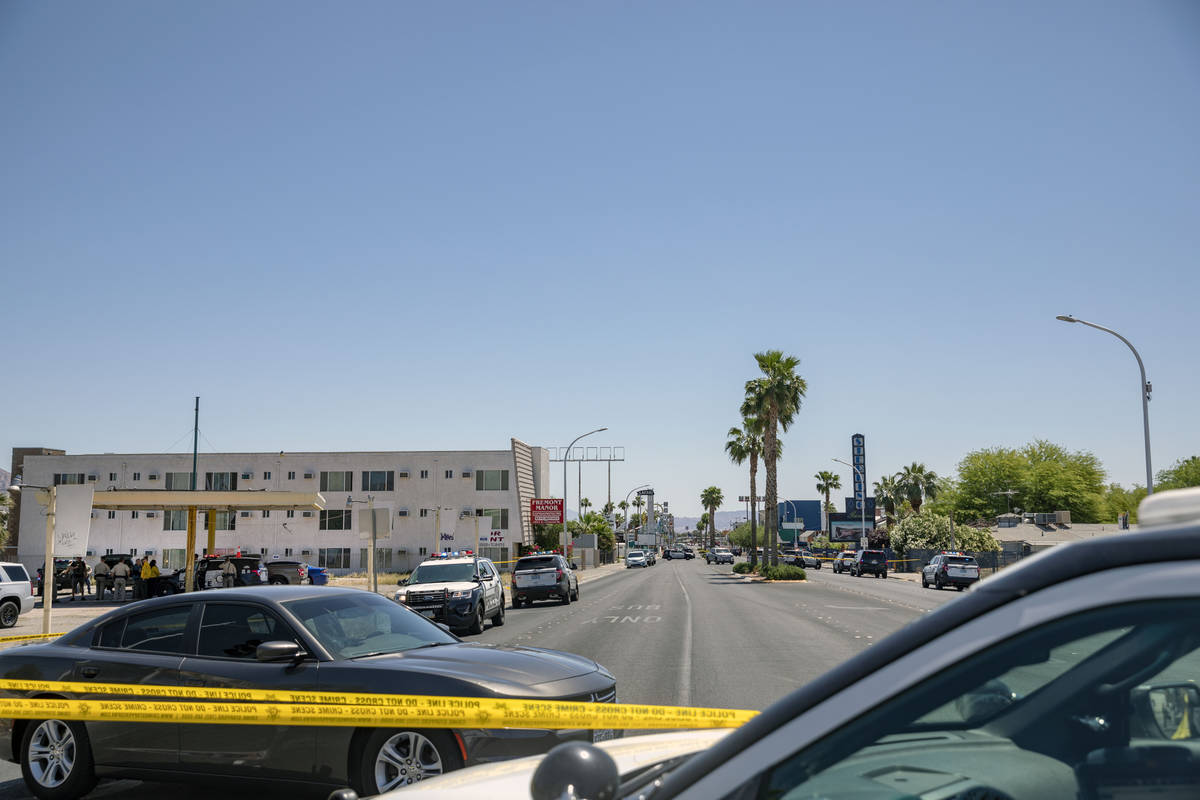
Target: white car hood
(510, 779)
(462, 586)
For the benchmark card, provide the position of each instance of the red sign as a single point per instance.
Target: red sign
(548, 511)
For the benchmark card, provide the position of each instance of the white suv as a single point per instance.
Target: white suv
(16, 593)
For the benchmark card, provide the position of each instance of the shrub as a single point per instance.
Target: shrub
(742, 567)
(783, 572)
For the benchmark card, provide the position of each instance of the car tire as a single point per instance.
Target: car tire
(566, 598)
(277, 579)
(476, 626)
(937, 583)
(960, 587)
(498, 619)
(9, 612)
(65, 776)
(395, 758)
(575, 597)
(924, 583)
(884, 575)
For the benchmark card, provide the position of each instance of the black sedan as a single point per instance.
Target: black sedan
(321, 639)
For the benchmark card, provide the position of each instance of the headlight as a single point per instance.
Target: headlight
(465, 593)
(400, 597)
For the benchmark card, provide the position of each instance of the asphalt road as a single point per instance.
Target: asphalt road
(677, 633)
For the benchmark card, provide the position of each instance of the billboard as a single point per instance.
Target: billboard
(546, 511)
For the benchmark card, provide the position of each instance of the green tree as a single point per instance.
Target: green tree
(1118, 500)
(624, 506)
(584, 504)
(888, 494)
(1180, 475)
(741, 536)
(917, 484)
(827, 483)
(775, 399)
(1059, 480)
(745, 444)
(547, 537)
(929, 531)
(711, 498)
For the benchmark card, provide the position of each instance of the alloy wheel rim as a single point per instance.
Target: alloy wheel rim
(52, 753)
(8, 615)
(404, 759)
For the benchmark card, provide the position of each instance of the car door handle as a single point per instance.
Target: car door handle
(89, 672)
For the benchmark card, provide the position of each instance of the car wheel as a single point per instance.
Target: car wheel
(498, 620)
(960, 588)
(566, 598)
(278, 579)
(937, 583)
(56, 759)
(884, 575)
(924, 583)
(476, 626)
(9, 611)
(394, 759)
(575, 596)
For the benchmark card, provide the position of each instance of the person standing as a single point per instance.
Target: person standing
(228, 573)
(102, 577)
(139, 586)
(149, 578)
(120, 574)
(78, 575)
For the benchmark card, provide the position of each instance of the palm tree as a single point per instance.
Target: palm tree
(711, 498)
(745, 444)
(917, 484)
(624, 506)
(774, 398)
(585, 504)
(827, 482)
(889, 494)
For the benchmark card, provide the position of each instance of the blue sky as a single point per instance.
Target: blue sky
(432, 226)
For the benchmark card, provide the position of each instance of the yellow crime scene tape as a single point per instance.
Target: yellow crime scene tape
(30, 637)
(265, 707)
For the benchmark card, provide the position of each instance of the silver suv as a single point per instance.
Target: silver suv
(16, 593)
(459, 592)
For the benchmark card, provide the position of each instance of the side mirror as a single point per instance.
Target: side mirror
(279, 651)
(402, 582)
(574, 565)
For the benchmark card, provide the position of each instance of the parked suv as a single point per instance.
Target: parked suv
(459, 592)
(718, 555)
(872, 562)
(950, 569)
(16, 593)
(287, 570)
(844, 561)
(545, 577)
(673, 552)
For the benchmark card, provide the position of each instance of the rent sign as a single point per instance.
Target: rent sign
(546, 511)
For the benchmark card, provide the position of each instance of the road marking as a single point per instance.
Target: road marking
(685, 663)
(860, 608)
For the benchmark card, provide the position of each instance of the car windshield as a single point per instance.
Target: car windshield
(442, 573)
(350, 626)
(961, 560)
(873, 558)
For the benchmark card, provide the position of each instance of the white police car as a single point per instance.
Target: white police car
(459, 590)
(1073, 674)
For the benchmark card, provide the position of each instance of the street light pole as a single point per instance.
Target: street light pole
(862, 473)
(627, 494)
(49, 578)
(1145, 390)
(565, 458)
(373, 578)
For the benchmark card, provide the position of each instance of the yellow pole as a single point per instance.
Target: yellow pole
(190, 560)
(212, 531)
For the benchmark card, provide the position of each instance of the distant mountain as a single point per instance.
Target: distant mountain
(725, 519)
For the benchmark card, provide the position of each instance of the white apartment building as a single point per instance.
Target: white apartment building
(466, 494)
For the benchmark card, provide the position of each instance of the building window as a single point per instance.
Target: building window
(137, 476)
(334, 557)
(337, 481)
(424, 512)
(266, 513)
(112, 477)
(291, 476)
(225, 520)
(424, 473)
(402, 512)
(67, 478)
(335, 520)
(178, 481)
(175, 519)
(220, 481)
(491, 480)
(379, 481)
(287, 551)
(423, 552)
(499, 517)
(449, 473)
(291, 513)
(133, 515)
(383, 559)
(112, 515)
(266, 476)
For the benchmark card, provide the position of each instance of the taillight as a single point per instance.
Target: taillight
(558, 573)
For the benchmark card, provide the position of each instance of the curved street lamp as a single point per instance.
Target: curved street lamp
(1145, 389)
(565, 457)
(46, 495)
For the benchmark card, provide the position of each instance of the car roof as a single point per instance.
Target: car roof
(1051, 566)
(456, 560)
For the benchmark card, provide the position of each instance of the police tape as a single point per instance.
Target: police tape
(264, 707)
(30, 636)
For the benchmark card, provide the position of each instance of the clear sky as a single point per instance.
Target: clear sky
(438, 225)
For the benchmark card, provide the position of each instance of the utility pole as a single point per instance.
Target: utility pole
(190, 555)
